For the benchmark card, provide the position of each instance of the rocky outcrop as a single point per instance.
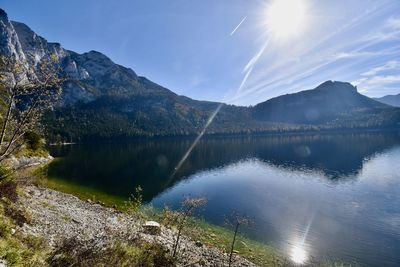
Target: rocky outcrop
(23, 162)
(89, 75)
(10, 45)
(35, 47)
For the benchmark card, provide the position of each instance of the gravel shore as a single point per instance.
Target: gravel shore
(58, 216)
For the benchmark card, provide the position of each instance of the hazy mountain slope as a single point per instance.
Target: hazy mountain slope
(324, 103)
(393, 100)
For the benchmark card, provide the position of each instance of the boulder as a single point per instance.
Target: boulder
(152, 227)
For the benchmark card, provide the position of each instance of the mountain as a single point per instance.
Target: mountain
(102, 99)
(392, 100)
(320, 105)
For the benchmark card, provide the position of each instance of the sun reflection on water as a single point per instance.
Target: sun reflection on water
(298, 255)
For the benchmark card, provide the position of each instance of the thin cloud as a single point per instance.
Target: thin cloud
(380, 80)
(390, 65)
(355, 54)
(393, 23)
(334, 56)
(378, 85)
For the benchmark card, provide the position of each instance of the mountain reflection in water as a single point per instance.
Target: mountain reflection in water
(311, 196)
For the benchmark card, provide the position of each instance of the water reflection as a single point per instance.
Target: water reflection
(311, 196)
(120, 167)
(298, 255)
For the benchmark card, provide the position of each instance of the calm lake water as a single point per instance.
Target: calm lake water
(323, 196)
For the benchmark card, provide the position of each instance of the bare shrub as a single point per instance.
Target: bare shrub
(189, 205)
(236, 221)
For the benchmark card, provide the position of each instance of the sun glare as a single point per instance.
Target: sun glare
(286, 18)
(298, 255)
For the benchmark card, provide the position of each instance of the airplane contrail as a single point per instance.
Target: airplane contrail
(250, 65)
(256, 57)
(237, 27)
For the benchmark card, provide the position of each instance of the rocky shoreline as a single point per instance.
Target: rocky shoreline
(25, 162)
(57, 216)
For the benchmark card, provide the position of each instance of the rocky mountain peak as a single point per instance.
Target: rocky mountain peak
(3, 15)
(34, 46)
(9, 42)
(336, 85)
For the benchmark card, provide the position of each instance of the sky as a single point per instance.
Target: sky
(236, 51)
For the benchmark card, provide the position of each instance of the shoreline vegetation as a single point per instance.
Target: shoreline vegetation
(46, 227)
(325, 132)
(282, 133)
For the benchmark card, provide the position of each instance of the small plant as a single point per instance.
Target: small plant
(135, 201)
(189, 205)
(237, 220)
(8, 189)
(20, 217)
(4, 172)
(5, 226)
(34, 242)
(167, 216)
(33, 140)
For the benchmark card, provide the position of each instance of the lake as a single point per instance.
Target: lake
(331, 196)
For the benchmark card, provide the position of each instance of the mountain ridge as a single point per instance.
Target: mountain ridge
(103, 99)
(392, 100)
(320, 104)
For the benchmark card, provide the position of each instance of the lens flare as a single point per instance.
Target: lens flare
(286, 18)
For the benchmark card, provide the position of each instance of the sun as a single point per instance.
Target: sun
(286, 18)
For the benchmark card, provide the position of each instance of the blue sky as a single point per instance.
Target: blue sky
(188, 46)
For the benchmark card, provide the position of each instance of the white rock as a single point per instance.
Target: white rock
(152, 227)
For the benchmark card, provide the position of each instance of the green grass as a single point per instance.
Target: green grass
(221, 237)
(27, 152)
(82, 192)
(77, 253)
(19, 250)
